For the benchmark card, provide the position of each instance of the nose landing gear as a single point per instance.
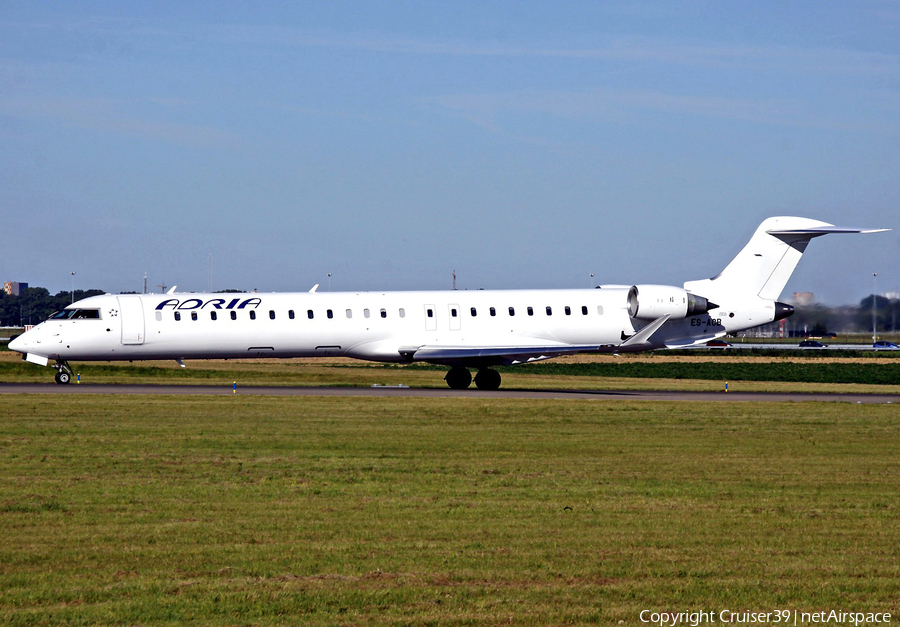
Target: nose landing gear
(459, 378)
(64, 374)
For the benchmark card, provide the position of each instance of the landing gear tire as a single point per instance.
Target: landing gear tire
(63, 371)
(487, 379)
(458, 378)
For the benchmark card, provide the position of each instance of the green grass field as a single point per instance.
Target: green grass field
(322, 511)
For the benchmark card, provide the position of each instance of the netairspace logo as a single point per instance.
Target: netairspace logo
(784, 617)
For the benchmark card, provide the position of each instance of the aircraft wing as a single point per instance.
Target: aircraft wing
(498, 355)
(531, 351)
(688, 342)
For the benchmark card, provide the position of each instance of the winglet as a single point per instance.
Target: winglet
(172, 289)
(642, 336)
(314, 288)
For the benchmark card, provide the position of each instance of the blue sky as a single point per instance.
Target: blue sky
(522, 144)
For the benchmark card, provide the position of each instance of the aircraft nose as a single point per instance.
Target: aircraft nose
(16, 343)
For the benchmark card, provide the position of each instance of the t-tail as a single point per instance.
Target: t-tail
(755, 278)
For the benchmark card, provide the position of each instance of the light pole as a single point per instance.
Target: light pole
(329, 281)
(592, 280)
(874, 306)
(73, 286)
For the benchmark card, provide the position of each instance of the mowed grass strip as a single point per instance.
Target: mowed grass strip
(685, 372)
(322, 511)
(884, 372)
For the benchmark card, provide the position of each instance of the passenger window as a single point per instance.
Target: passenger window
(568, 310)
(530, 311)
(473, 311)
(159, 316)
(349, 313)
(271, 314)
(253, 315)
(291, 314)
(600, 309)
(430, 313)
(384, 313)
(329, 314)
(212, 315)
(453, 312)
(177, 316)
(309, 314)
(493, 311)
(402, 312)
(366, 313)
(584, 310)
(234, 315)
(512, 311)
(549, 310)
(193, 315)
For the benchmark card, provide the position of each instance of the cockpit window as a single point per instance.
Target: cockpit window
(76, 314)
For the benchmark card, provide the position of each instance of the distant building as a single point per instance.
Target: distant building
(13, 288)
(804, 299)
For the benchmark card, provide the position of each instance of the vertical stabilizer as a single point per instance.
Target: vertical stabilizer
(766, 263)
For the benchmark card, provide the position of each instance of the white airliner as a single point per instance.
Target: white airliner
(461, 329)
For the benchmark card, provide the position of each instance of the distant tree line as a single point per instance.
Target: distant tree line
(817, 320)
(36, 304)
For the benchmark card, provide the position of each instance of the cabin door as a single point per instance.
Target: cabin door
(131, 313)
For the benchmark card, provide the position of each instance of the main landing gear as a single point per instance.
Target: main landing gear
(460, 378)
(64, 374)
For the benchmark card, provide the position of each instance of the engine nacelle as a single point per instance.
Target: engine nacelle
(649, 302)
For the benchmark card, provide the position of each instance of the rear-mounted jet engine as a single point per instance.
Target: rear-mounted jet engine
(649, 302)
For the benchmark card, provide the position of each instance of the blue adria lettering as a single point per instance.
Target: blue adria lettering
(212, 303)
(250, 301)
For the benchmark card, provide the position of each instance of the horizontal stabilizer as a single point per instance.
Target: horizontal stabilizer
(822, 230)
